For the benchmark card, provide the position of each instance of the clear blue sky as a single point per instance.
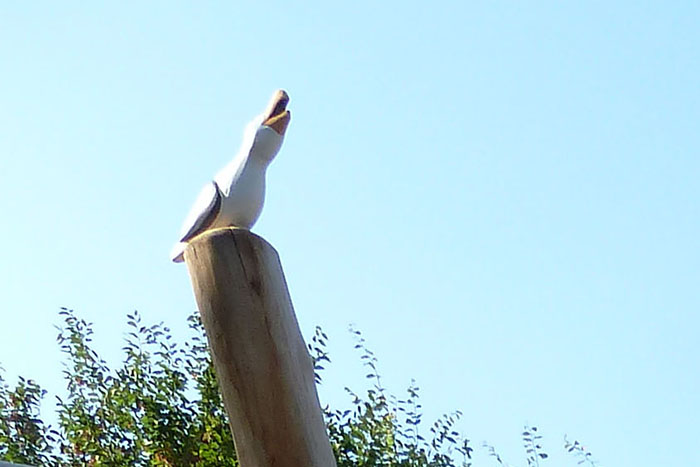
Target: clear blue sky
(503, 196)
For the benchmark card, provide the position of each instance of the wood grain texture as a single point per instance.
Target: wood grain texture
(262, 363)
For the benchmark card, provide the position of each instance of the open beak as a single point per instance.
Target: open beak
(276, 115)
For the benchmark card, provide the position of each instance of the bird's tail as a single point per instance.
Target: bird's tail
(178, 251)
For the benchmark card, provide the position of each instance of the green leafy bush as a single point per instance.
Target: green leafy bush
(162, 407)
(381, 430)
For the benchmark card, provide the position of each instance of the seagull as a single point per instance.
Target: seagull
(236, 195)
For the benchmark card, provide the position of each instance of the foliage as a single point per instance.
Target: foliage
(533, 449)
(381, 430)
(162, 407)
(23, 435)
(140, 414)
(577, 449)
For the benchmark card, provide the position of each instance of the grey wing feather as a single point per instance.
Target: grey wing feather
(203, 213)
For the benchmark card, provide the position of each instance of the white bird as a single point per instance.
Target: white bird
(236, 195)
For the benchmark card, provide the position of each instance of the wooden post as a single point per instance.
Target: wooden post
(262, 363)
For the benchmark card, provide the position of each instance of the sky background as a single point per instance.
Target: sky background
(502, 196)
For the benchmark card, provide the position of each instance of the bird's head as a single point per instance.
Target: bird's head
(270, 127)
(276, 116)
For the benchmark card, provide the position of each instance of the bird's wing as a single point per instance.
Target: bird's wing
(203, 213)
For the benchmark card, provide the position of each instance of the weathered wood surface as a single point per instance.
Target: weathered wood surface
(262, 363)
